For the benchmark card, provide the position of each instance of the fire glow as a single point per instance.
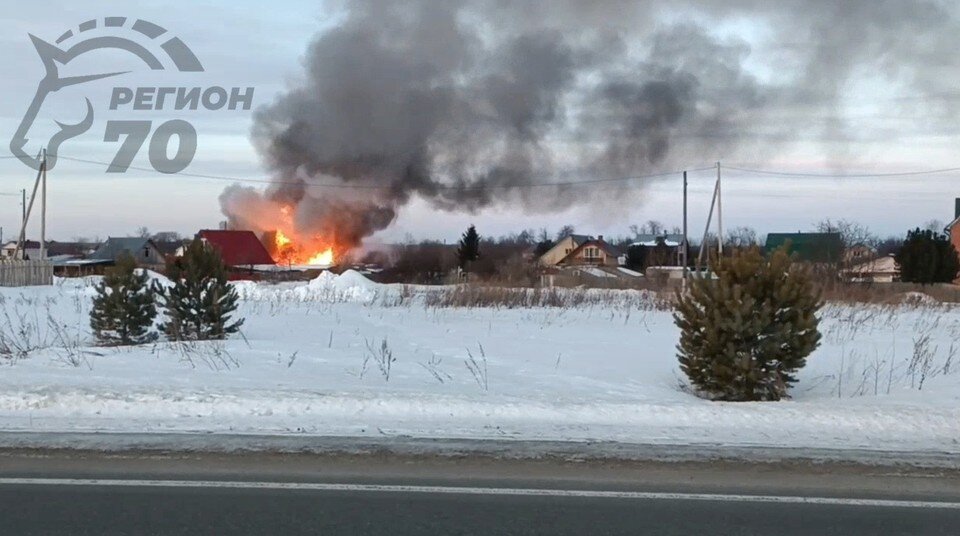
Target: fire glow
(289, 251)
(288, 248)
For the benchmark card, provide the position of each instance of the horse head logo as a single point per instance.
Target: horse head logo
(55, 56)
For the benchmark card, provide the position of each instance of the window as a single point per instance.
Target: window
(591, 252)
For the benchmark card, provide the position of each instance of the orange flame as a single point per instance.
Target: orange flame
(287, 251)
(280, 239)
(325, 258)
(290, 247)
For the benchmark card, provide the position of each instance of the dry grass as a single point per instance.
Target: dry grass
(890, 293)
(480, 295)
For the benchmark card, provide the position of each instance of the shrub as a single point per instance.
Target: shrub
(199, 303)
(123, 309)
(745, 333)
(927, 257)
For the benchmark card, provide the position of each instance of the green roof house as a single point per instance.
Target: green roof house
(809, 247)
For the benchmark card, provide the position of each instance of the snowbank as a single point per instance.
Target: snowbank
(350, 286)
(154, 277)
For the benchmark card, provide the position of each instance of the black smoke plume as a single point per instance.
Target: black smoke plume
(469, 103)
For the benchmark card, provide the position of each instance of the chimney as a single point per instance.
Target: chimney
(600, 237)
(956, 208)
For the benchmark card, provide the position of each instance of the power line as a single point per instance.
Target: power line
(308, 182)
(842, 176)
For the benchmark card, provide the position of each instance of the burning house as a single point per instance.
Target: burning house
(241, 251)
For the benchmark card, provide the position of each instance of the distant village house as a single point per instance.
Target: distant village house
(817, 248)
(562, 248)
(143, 250)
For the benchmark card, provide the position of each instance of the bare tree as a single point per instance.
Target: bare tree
(143, 232)
(934, 225)
(167, 236)
(525, 236)
(654, 227)
(565, 231)
(741, 237)
(851, 233)
(543, 235)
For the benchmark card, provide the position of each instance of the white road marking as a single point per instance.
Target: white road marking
(387, 488)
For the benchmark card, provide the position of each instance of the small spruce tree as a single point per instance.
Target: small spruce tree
(124, 308)
(927, 257)
(200, 302)
(469, 249)
(745, 334)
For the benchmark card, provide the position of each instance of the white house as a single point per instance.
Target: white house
(30, 247)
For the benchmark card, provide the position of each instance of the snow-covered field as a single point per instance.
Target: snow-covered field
(342, 356)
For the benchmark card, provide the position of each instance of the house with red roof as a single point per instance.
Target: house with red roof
(239, 249)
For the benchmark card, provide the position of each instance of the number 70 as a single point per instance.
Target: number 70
(136, 133)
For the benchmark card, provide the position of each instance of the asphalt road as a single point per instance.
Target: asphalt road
(70, 493)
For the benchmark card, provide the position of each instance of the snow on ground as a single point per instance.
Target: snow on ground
(341, 355)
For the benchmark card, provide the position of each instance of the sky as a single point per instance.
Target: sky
(893, 112)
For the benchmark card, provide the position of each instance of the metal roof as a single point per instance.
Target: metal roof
(238, 248)
(115, 245)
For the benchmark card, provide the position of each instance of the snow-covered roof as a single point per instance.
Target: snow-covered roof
(84, 262)
(654, 243)
(28, 244)
(651, 240)
(629, 272)
(595, 272)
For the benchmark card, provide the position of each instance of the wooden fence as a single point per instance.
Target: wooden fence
(15, 273)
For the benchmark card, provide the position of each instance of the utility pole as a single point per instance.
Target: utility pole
(685, 246)
(23, 205)
(21, 243)
(706, 229)
(43, 208)
(719, 215)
